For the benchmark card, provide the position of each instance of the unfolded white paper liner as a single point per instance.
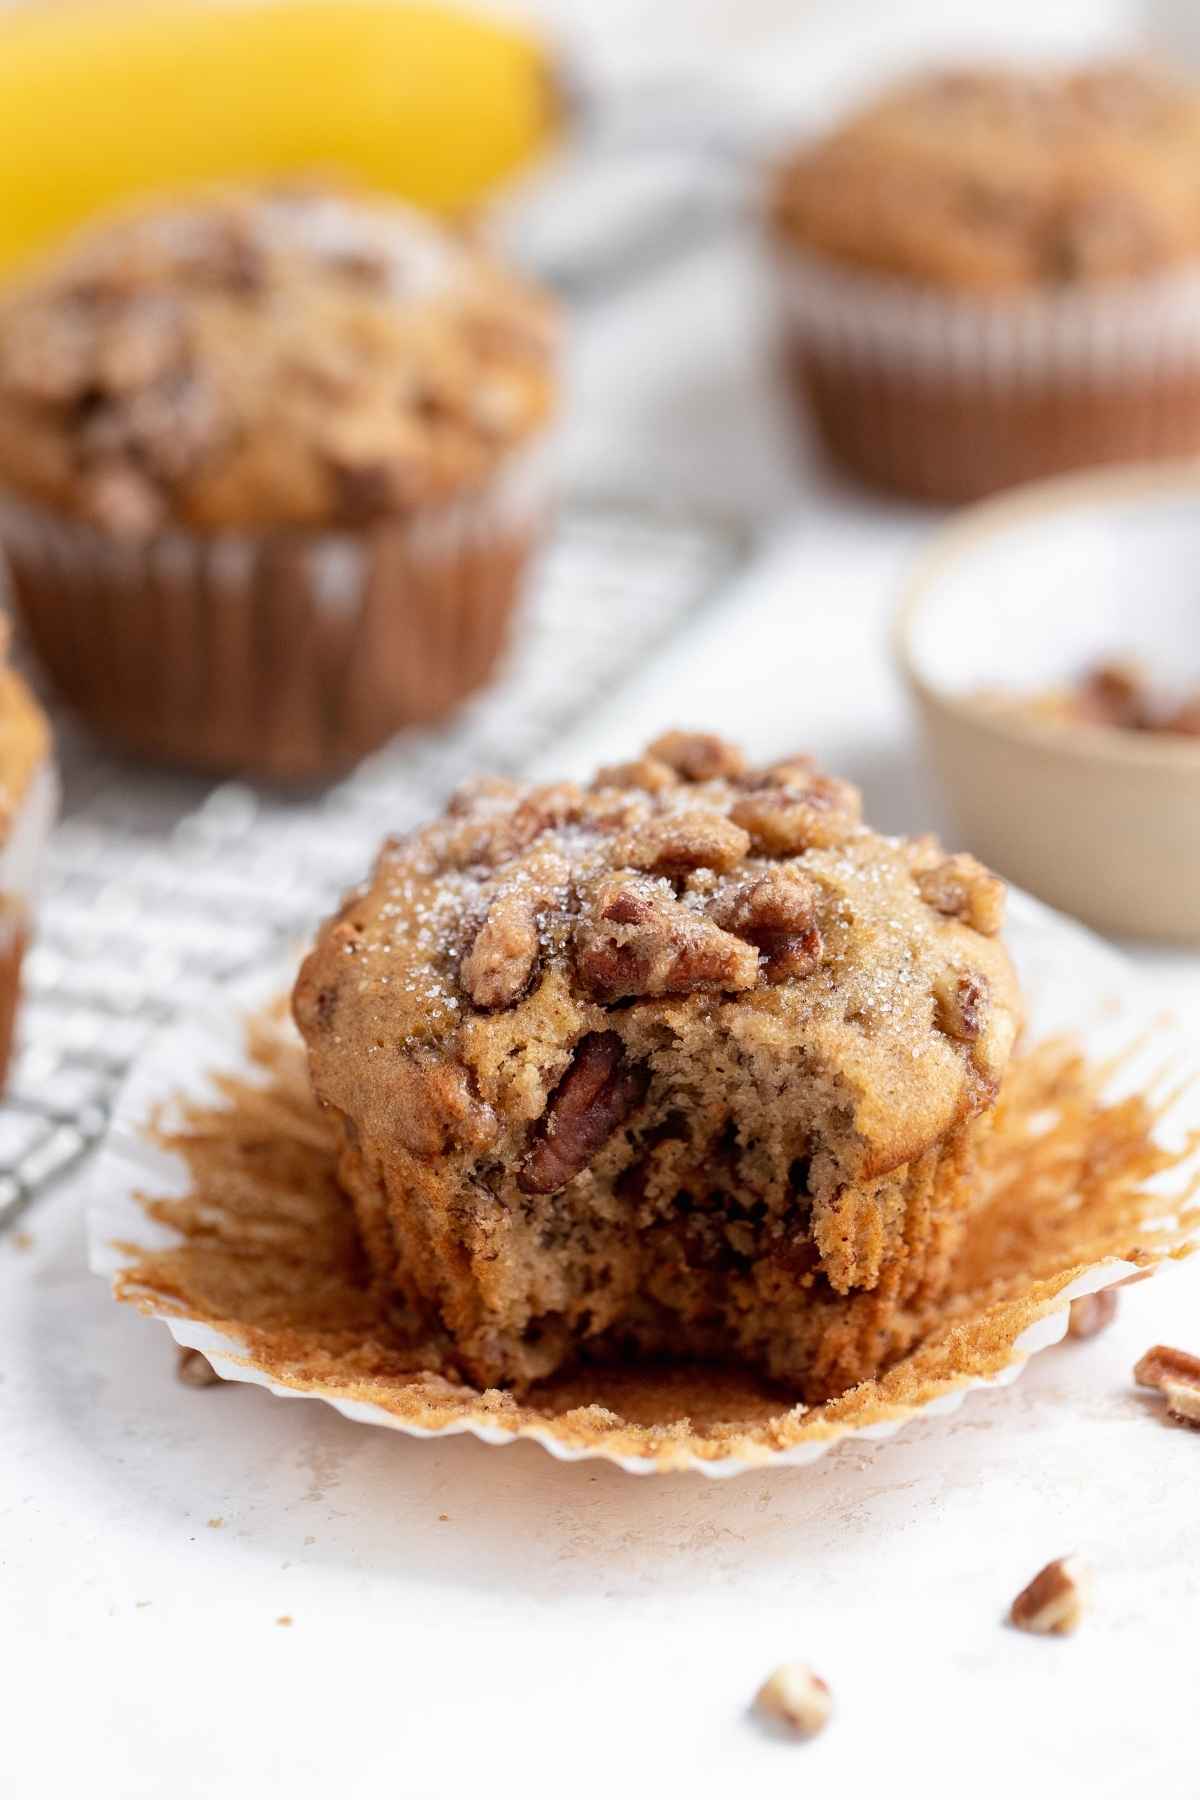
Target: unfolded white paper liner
(1116, 1180)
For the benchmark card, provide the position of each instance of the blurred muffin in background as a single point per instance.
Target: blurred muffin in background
(28, 804)
(271, 467)
(988, 276)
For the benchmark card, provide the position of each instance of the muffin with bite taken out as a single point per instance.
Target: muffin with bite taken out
(687, 1061)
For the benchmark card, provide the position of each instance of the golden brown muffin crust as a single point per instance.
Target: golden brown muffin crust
(999, 180)
(252, 359)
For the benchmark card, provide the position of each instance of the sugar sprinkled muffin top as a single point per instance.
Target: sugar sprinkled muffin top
(289, 357)
(1002, 180)
(439, 1006)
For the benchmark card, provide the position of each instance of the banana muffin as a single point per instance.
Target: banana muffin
(990, 275)
(271, 467)
(684, 1062)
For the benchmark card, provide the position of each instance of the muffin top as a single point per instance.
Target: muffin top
(1000, 180)
(276, 358)
(681, 894)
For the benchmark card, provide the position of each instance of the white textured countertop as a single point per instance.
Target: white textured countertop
(569, 1629)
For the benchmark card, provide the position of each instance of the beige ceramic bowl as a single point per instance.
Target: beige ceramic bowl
(1022, 594)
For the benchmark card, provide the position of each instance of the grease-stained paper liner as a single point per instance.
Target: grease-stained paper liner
(289, 654)
(215, 1208)
(951, 396)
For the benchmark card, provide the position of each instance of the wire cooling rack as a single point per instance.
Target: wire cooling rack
(159, 887)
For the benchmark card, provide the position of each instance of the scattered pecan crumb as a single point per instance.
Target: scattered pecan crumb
(443, 1518)
(1114, 693)
(961, 888)
(557, 803)
(214, 1524)
(1092, 1313)
(284, 1619)
(1183, 1402)
(22, 1240)
(1163, 1363)
(960, 1005)
(1053, 1603)
(698, 756)
(195, 1370)
(596, 1095)
(795, 1697)
(1175, 1374)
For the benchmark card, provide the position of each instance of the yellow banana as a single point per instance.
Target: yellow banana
(100, 102)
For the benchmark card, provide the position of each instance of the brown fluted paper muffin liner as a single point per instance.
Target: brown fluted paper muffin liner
(216, 1207)
(948, 397)
(288, 655)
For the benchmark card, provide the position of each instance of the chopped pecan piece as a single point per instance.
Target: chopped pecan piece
(641, 941)
(790, 771)
(1183, 1402)
(477, 837)
(794, 1696)
(469, 795)
(647, 773)
(1176, 1376)
(1163, 1364)
(194, 1370)
(497, 968)
(596, 1095)
(817, 812)
(777, 913)
(960, 1005)
(962, 888)
(1054, 1600)
(1092, 1313)
(698, 756)
(367, 488)
(1114, 693)
(544, 809)
(681, 842)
